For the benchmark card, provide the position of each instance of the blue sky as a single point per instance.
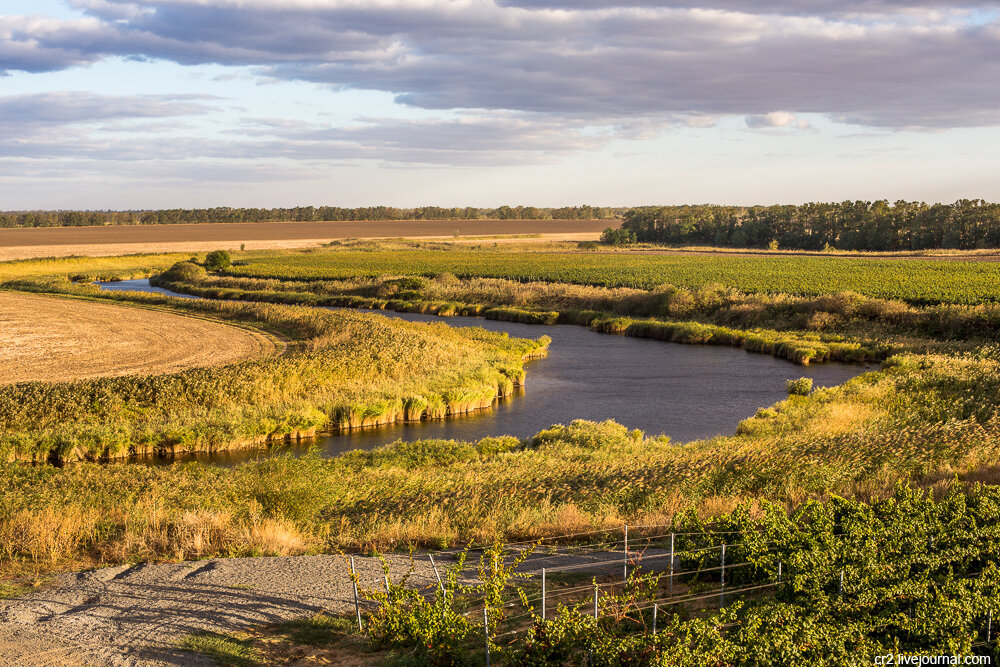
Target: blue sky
(177, 103)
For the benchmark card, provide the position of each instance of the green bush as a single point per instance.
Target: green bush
(186, 272)
(218, 260)
(612, 236)
(800, 387)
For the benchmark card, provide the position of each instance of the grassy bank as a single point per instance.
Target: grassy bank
(342, 370)
(916, 282)
(925, 420)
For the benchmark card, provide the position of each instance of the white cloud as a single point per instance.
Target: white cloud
(777, 119)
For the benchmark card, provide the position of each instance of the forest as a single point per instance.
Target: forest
(859, 225)
(223, 214)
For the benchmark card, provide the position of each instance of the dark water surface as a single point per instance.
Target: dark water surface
(687, 392)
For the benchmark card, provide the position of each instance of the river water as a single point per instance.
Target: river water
(687, 392)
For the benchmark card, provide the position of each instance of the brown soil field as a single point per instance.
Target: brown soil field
(117, 240)
(57, 339)
(288, 231)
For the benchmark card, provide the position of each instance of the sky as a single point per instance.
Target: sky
(136, 104)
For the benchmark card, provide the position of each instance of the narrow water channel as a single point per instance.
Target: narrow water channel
(687, 392)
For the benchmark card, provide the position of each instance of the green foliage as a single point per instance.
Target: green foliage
(187, 272)
(218, 260)
(800, 387)
(225, 214)
(924, 282)
(920, 577)
(616, 236)
(851, 225)
(435, 628)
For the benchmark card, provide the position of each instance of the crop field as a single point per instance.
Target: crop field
(98, 241)
(913, 281)
(56, 339)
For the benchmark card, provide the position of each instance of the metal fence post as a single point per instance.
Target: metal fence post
(436, 573)
(656, 608)
(357, 605)
(595, 601)
(779, 571)
(486, 631)
(543, 593)
(840, 584)
(625, 580)
(672, 556)
(722, 578)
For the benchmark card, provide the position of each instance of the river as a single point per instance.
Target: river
(687, 392)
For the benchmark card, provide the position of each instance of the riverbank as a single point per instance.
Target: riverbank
(341, 370)
(399, 295)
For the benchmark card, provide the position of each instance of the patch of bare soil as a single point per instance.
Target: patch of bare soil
(58, 339)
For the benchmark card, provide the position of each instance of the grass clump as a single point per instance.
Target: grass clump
(800, 387)
(224, 650)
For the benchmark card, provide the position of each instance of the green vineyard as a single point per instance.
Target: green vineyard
(914, 281)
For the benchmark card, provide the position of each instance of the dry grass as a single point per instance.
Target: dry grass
(57, 339)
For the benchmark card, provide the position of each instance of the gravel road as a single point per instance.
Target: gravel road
(136, 615)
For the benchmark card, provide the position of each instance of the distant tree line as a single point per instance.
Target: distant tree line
(858, 225)
(297, 214)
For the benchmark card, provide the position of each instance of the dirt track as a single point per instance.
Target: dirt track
(137, 615)
(58, 339)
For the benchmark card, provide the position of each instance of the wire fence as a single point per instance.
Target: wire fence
(703, 586)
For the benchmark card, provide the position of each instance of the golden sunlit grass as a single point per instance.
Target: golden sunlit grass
(925, 419)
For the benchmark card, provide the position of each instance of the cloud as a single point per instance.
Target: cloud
(85, 127)
(879, 63)
(65, 108)
(776, 119)
(781, 7)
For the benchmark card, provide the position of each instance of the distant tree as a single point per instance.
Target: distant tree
(218, 260)
(612, 236)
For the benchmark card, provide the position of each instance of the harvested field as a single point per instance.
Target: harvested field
(114, 240)
(55, 339)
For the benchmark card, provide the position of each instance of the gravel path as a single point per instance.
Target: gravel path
(136, 615)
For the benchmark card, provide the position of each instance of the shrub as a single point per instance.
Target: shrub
(218, 260)
(800, 387)
(182, 272)
(612, 236)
